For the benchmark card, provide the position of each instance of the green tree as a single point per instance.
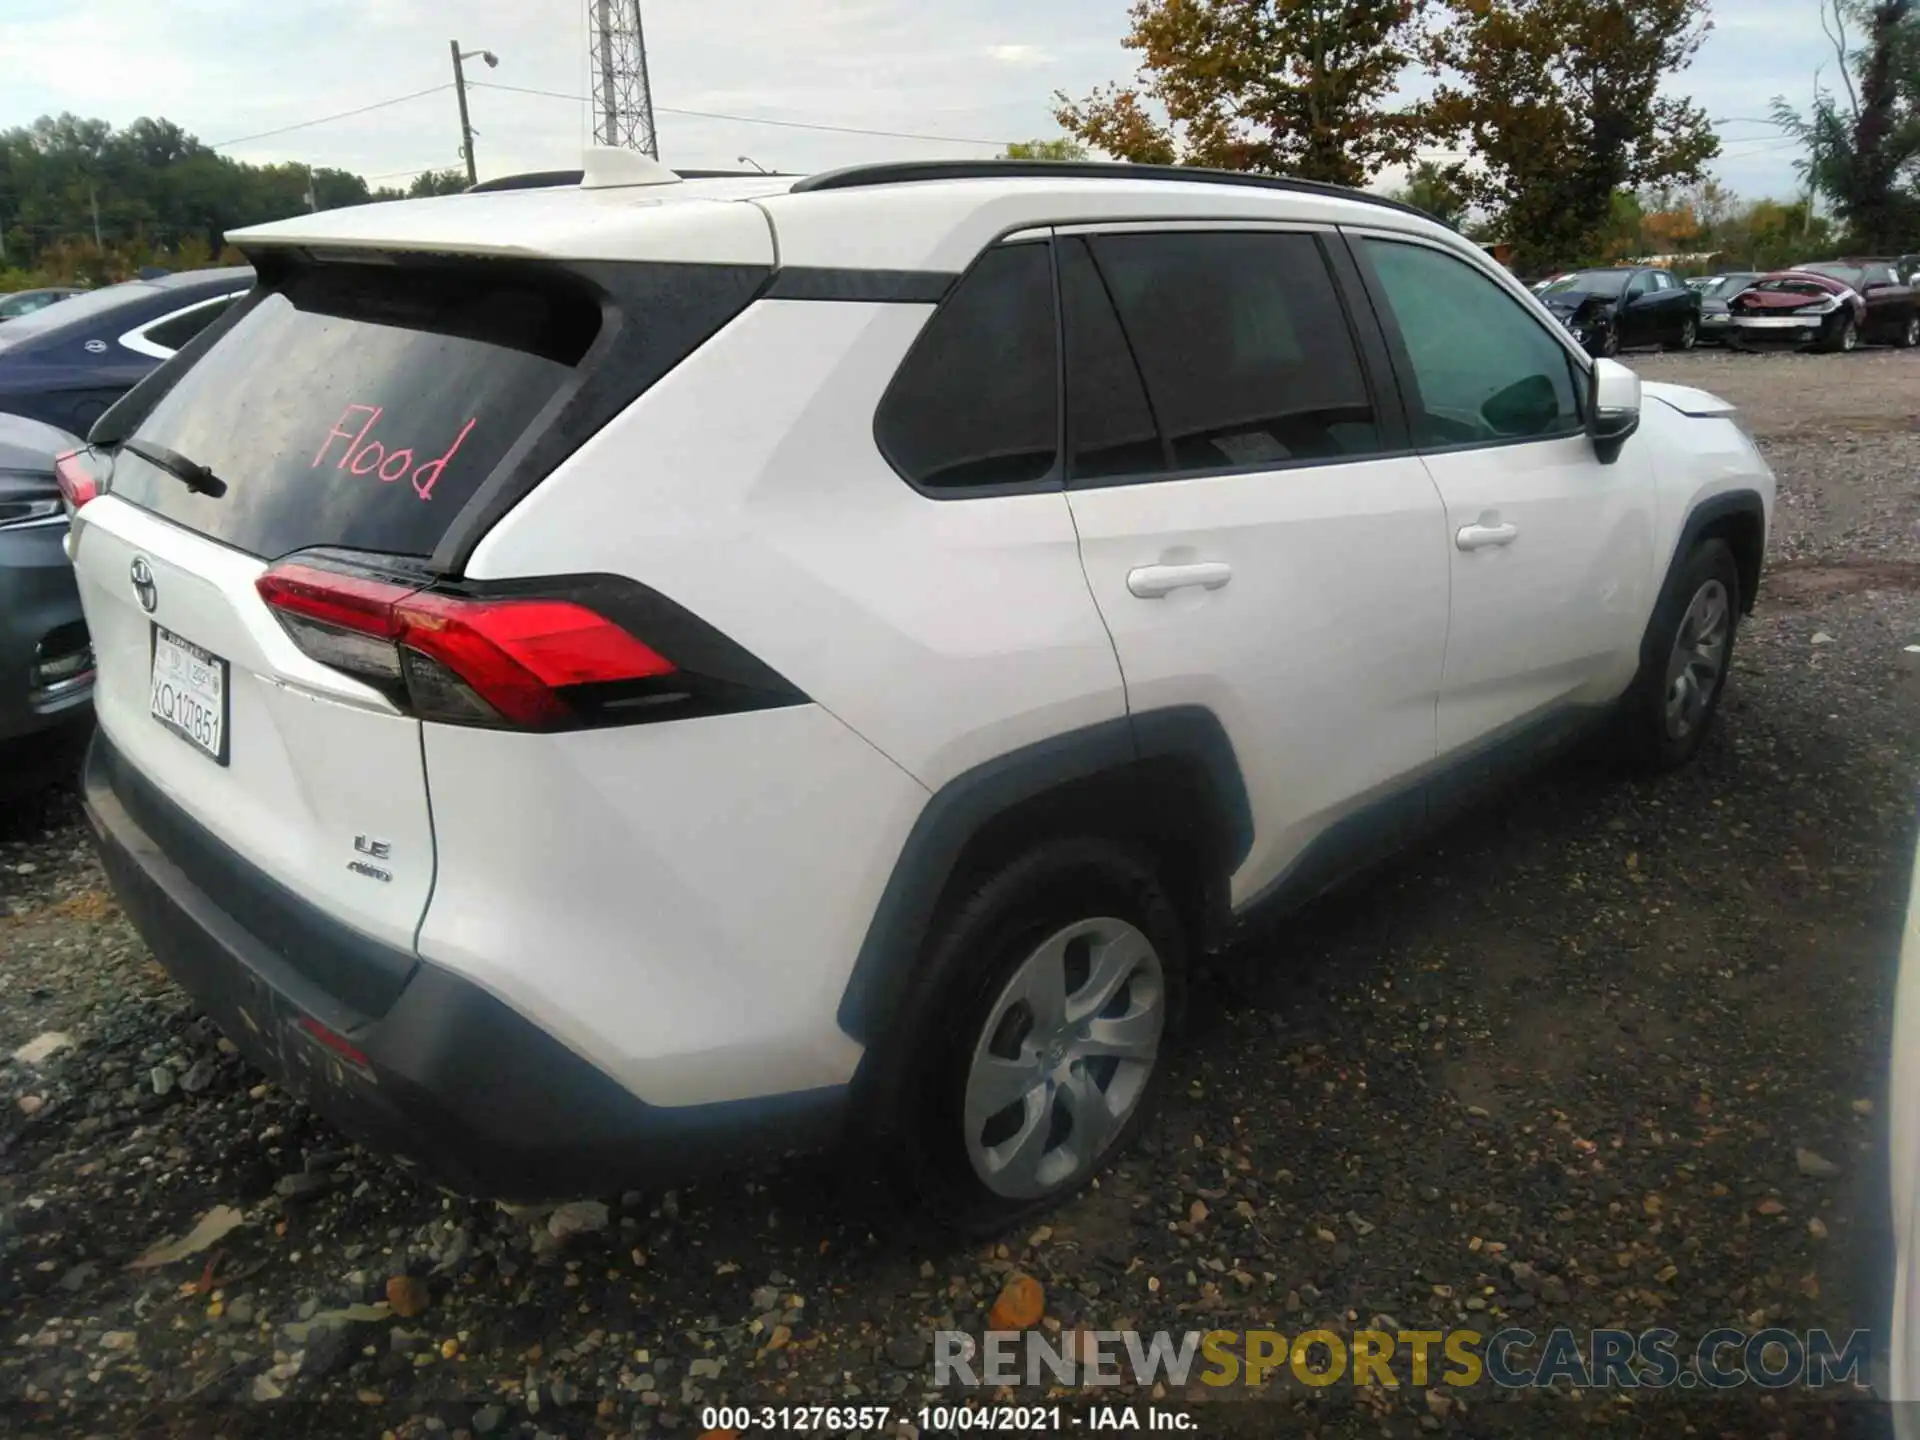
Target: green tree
(437, 182)
(1561, 102)
(1294, 87)
(1058, 149)
(1863, 147)
(1432, 189)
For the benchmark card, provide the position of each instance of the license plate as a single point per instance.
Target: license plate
(189, 694)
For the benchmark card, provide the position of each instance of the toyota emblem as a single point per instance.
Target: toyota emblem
(142, 574)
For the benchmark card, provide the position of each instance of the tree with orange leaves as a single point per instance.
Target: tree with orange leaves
(1294, 87)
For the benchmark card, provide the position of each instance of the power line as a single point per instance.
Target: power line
(750, 119)
(328, 119)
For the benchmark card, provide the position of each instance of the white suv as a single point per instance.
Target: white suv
(602, 678)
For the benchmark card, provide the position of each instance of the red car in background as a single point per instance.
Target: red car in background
(1832, 307)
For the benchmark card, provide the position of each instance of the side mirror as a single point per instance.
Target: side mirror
(1613, 407)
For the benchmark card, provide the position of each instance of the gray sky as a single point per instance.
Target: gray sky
(983, 70)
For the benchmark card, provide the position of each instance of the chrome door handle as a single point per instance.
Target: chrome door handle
(1150, 582)
(1479, 537)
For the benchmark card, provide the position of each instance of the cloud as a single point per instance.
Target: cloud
(1026, 55)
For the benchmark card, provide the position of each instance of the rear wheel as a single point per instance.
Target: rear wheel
(1038, 1046)
(1909, 335)
(1664, 717)
(1689, 335)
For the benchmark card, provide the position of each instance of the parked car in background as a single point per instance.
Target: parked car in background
(1623, 307)
(67, 363)
(559, 798)
(25, 302)
(1798, 309)
(46, 662)
(1889, 313)
(1715, 291)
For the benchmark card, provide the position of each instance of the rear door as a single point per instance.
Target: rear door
(350, 408)
(1258, 539)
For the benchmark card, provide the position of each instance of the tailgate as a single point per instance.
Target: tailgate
(311, 776)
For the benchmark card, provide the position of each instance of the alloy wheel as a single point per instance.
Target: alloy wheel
(1689, 334)
(1063, 1058)
(1699, 658)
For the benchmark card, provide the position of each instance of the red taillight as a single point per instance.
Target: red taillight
(458, 658)
(77, 485)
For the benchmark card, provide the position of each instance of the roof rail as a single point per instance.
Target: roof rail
(558, 179)
(855, 177)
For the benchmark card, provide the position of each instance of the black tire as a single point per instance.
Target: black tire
(1689, 335)
(1609, 343)
(1909, 335)
(1845, 339)
(1645, 738)
(976, 946)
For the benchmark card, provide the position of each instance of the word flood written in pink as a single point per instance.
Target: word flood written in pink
(366, 456)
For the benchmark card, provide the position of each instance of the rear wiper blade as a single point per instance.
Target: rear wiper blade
(197, 478)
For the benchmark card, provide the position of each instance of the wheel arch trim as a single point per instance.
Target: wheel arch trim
(883, 972)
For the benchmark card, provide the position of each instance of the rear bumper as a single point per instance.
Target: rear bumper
(467, 1091)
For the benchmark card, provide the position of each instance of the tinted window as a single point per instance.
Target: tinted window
(362, 406)
(172, 334)
(1485, 369)
(976, 401)
(1110, 425)
(1245, 350)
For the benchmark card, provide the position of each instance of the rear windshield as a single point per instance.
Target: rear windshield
(361, 406)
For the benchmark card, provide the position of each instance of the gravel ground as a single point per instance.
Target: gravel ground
(1559, 1066)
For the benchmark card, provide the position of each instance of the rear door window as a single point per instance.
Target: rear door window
(1110, 425)
(361, 406)
(1244, 347)
(975, 405)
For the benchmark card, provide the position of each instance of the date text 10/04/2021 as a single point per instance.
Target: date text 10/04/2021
(364, 455)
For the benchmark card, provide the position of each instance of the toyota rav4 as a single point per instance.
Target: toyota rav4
(611, 677)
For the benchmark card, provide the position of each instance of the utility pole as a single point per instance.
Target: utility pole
(94, 201)
(466, 128)
(460, 89)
